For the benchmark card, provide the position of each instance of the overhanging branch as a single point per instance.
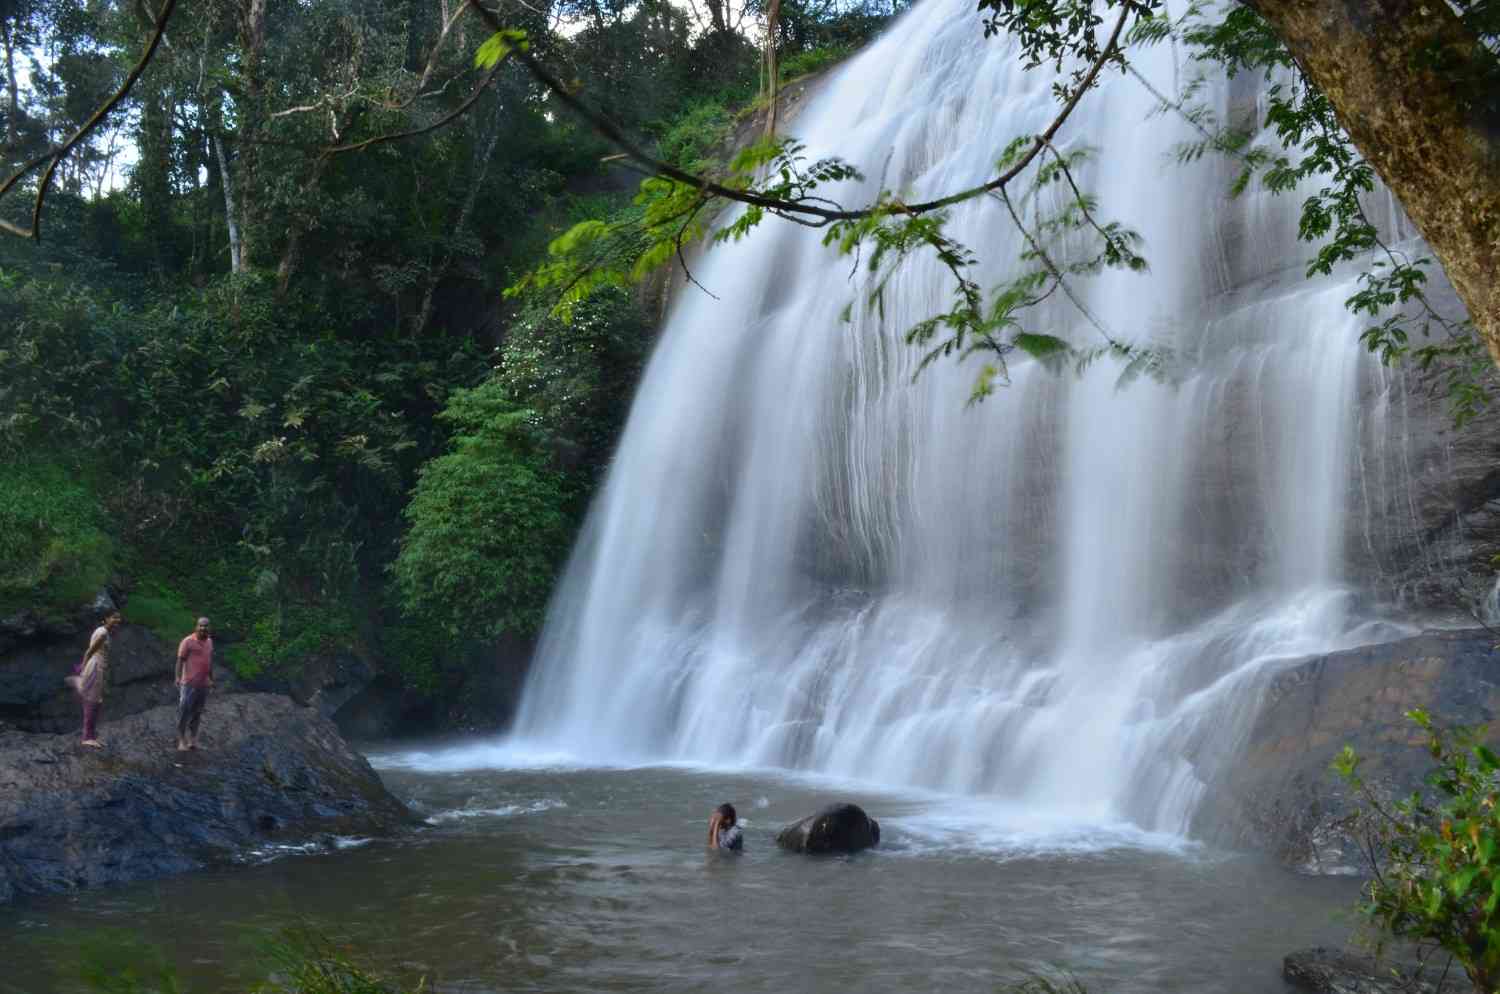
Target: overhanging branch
(54, 157)
(800, 209)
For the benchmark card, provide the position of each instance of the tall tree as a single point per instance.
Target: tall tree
(1417, 86)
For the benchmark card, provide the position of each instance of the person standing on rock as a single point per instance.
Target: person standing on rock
(724, 831)
(195, 678)
(92, 677)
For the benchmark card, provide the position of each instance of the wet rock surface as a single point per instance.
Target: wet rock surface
(1280, 795)
(838, 828)
(268, 773)
(1336, 971)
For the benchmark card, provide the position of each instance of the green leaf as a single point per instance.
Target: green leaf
(498, 46)
(1040, 346)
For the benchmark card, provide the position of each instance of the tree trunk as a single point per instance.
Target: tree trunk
(716, 15)
(773, 83)
(297, 224)
(13, 93)
(251, 110)
(153, 170)
(471, 195)
(236, 250)
(1438, 151)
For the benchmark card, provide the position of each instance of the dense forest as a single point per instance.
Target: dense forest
(268, 301)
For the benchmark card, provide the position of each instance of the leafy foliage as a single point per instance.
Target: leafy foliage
(1436, 856)
(487, 529)
(242, 440)
(1311, 146)
(54, 551)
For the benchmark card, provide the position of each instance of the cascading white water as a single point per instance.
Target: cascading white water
(1066, 595)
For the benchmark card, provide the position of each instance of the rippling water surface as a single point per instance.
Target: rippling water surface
(533, 876)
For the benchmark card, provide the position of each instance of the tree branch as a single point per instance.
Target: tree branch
(441, 122)
(786, 208)
(57, 155)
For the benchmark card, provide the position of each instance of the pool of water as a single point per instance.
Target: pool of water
(535, 876)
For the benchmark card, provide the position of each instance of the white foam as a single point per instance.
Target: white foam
(503, 811)
(493, 754)
(1008, 831)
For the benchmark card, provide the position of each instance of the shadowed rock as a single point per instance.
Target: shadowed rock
(1279, 793)
(1331, 971)
(836, 828)
(268, 773)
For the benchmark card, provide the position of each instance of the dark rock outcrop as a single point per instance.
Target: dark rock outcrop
(838, 828)
(1280, 794)
(31, 624)
(33, 697)
(1333, 971)
(269, 773)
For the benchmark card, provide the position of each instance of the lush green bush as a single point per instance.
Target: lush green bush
(487, 524)
(1436, 856)
(578, 376)
(157, 606)
(55, 553)
(813, 60)
(693, 139)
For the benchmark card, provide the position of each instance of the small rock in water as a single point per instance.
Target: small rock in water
(836, 828)
(1332, 971)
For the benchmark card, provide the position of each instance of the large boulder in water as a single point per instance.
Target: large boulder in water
(836, 828)
(269, 775)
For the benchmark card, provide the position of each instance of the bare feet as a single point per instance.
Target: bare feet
(92, 743)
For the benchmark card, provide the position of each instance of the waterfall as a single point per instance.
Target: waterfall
(1068, 595)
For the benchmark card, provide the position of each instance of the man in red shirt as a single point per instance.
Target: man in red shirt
(195, 677)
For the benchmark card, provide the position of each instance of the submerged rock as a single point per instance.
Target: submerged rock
(836, 828)
(1333, 971)
(268, 773)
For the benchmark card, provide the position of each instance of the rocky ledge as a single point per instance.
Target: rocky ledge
(1339, 971)
(1280, 794)
(268, 772)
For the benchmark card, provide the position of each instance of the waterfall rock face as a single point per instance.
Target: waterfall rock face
(838, 828)
(1281, 795)
(1070, 596)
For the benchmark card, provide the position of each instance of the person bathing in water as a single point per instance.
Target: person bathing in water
(724, 829)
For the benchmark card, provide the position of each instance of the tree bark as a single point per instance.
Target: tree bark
(476, 181)
(1438, 152)
(773, 84)
(236, 250)
(13, 93)
(153, 170)
(251, 110)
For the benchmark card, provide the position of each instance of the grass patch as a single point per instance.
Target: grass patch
(811, 61)
(158, 607)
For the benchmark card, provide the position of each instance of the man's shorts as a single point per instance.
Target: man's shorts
(190, 701)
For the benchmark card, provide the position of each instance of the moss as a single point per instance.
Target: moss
(54, 552)
(163, 610)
